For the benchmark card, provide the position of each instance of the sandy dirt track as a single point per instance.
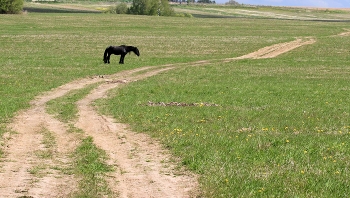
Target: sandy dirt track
(142, 167)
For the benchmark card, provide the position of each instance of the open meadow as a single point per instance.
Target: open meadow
(247, 125)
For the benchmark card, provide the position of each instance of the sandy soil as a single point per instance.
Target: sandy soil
(142, 167)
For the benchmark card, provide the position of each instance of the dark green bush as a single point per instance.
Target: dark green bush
(11, 6)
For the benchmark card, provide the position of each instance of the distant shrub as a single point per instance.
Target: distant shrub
(232, 2)
(151, 7)
(11, 6)
(121, 8)
(188, 15)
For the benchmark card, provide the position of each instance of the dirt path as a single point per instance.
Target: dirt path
(275, 50)
(142, 166)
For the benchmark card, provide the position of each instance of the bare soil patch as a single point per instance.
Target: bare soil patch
(142, 167)
(347, 33)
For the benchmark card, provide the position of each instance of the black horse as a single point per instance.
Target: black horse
(119, 50)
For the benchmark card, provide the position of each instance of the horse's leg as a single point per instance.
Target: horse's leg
(108, 57)
(121, 61)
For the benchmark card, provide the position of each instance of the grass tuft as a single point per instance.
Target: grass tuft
(90, 166)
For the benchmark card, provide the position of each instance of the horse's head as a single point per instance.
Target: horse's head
(136, 51)
(105, 58)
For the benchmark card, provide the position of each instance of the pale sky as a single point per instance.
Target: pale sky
(308, 3)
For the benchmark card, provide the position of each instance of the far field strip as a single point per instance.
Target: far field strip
(286, 13)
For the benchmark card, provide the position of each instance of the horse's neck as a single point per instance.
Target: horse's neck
(129, 49)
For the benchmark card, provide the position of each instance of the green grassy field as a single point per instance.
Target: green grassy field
(282, 126)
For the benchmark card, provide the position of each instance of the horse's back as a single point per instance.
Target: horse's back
(118, 50)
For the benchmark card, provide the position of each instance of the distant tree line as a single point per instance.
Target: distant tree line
(230, 2)
(193, 1)
(138, 7)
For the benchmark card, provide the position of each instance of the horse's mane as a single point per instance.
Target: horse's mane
(128, 46)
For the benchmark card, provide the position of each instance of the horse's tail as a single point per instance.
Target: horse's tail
(105, 55)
